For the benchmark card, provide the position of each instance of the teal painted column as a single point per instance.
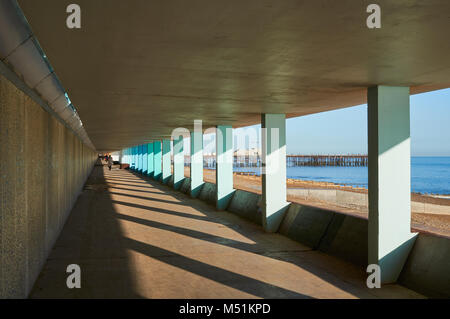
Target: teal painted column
(224, 166)
(150, 159)
(273, 142)
(140, 159)
(157, 163)
(137, 157)
(144, 159)
(133, 164)
(166, 162)
(178, 162)
(390, 238)
(196, 167)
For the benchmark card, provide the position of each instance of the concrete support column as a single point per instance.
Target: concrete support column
(144, 159)
(157, 163)
(390, 238)
(134, 158)
(196, 162)
(150, 160)
(137, 158)
(140, 159)
(273, 142)
(126, 158)
(166, 162)
(224, 166)
(178, 162)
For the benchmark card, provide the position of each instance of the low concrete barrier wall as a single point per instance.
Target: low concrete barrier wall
(246, 204)
(185, 187)
(346, 238)
(352, 199)
(208, 193)
(43, 167)
(304, 224)
(337, 234)
(427, 269)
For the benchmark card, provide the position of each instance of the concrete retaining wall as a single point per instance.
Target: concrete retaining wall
(335, 196)
(427, 269)
(185, 187)
(352, 199)
(334, 233)
(247, 205)
(43, 166)
(208, 193)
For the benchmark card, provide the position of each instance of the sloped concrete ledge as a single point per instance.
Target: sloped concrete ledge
(427, 269)
(246, 205)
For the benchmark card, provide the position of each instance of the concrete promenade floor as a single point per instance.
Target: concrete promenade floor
(135, 238)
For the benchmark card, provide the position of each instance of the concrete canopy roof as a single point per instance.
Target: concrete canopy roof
(138, 69)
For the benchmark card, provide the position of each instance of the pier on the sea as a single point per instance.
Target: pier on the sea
(209, 161)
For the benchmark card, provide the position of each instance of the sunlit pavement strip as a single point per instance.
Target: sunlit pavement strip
(135, 238)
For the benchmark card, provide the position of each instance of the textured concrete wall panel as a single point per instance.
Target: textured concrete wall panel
(43, 166)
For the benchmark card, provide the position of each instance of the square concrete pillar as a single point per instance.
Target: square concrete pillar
(127, 156)
(137, 158)
(150, 160)
(134, 157)
(178, 162)
(196, 162)
(157, 163)
(166, 162)
(273, 142)
(144, 159)
(140, 155)
(224, 166)
(390, 238)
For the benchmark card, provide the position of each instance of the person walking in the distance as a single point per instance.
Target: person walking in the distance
(110, 162)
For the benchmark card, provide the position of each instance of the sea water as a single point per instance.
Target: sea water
(429, 175)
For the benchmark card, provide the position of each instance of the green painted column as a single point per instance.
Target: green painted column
(166, 162)
(150, 160)
(390, 238)
(178, 162)
(273, 142)
(144, 159)
(140, 160)
(134, 162)
(196, 167)
(137, 158)
(157, 163)
(224, 166)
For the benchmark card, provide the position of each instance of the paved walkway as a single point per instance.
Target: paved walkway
(133, 238)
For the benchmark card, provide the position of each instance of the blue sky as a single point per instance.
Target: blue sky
(344, 131)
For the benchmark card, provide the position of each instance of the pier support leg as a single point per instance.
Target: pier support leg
(224, 166)
(178, 162)
(157, 157)
(273, 142)
(196, 161)
(390, 238)
(150, 159)
(166, 162)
